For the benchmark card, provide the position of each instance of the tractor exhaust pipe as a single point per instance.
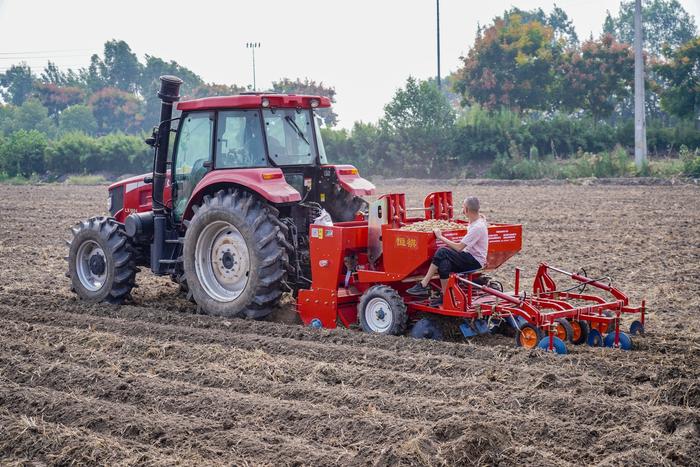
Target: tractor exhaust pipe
(169, 93)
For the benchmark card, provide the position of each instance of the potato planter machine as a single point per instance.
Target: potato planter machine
(361, 270)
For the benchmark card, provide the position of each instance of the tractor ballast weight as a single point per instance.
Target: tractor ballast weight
(362, 269)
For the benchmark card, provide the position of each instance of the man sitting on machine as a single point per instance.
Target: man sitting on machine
(468, 254)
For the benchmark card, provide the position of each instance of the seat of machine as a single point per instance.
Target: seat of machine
(471, 271)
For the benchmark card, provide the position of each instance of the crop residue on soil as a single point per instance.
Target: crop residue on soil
(152, 382)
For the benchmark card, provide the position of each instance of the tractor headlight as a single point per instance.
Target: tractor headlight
(265, 102)
(110, 202)
(314, 103)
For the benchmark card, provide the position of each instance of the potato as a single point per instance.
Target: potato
(429, 224)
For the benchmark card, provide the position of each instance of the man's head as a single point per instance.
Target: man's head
(471, 207)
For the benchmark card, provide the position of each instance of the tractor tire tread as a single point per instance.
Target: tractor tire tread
(111, 236)
(272, 259)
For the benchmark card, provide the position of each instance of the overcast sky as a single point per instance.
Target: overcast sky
(364, 48)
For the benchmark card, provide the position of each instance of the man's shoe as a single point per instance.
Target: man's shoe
(436, 302)
(419, 290)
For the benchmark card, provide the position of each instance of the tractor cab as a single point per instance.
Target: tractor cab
(250, 131)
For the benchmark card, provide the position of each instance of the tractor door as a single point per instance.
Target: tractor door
(192, 157)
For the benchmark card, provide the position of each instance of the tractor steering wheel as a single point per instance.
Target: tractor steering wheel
(238, 157)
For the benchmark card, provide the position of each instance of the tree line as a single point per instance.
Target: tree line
(528, 87)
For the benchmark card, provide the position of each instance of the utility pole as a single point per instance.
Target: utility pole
(252, 46)
(438, 45)
(640, 133)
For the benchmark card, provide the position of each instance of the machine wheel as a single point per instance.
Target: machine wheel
(564, 330)
(425, 328)
(344, 205)
(382, 311)
(528, 336)
(233, 256)
(595, 339)
(636, 328)
(625, 341)
(101, 261)
(558, 345)
(580, 332)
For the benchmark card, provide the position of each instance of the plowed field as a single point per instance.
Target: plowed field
(152, 382)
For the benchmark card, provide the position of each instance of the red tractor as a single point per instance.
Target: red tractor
(239, 215)
(228, 214)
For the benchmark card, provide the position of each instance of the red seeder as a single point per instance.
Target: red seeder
(361, 271)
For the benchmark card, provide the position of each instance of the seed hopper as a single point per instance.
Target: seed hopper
(361, 270)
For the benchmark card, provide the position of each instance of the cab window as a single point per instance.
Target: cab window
(239, 140)
(193, 150)
(289, 137)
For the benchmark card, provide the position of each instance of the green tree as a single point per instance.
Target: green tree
(31, 115)
(419, 105)
(116, 110)
(558, 20)
(310, 87)
(680, 76)
(56, 98)
(77, 118)
(609, 24)
(23, 153)
(17, 84)
(665, 23)
(150, 84)
(91, 76)
(119, 154)
(120, 67)
(213, 89)
(418, 121)
(597, 77)
(66, 155)
(512, 64)
(53, 75)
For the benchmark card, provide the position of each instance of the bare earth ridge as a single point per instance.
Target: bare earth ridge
(151, 382)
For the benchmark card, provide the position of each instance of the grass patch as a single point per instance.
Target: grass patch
(616, 163)
(86, 180)
(17, 180)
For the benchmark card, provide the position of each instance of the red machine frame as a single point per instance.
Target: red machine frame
(342, 272)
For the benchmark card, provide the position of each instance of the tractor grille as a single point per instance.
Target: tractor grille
(116, 200)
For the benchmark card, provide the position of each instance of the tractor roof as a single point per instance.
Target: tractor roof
(254, 101)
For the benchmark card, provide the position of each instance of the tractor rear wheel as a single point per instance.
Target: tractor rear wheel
(101, 262)
(234, 260)
(382, 311)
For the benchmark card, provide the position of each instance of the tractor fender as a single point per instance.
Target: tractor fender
(268, 182)
(349, 178)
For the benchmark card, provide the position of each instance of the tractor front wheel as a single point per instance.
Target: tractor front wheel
(233, 255)
(382, 311)
(101, 261)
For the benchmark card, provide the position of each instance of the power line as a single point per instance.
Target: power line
(44, 52)
(41, 57)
